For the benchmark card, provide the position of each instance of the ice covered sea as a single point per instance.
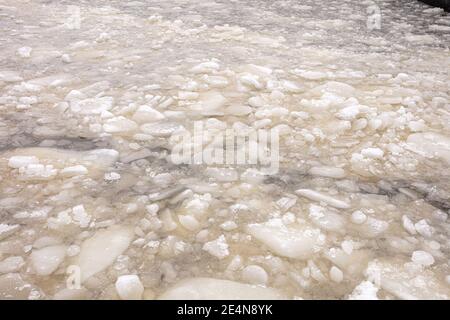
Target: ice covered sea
(95, 95)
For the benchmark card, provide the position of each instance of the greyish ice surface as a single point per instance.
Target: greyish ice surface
(95, 94)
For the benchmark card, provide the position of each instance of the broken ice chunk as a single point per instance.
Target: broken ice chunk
(119, 124)
(112, 176)
(210, 102)
(37, 172)
(217, 248)
(317, 196)
(336, 274)
(366, 290)
(189, 222)
(24, 52)
(250, 80)
(11, 264)
(74, 171)
(100, 251)
(329, 172)
(408, 225)
(430, 145)
(92, 105)
(22, 161)
(254, 274)
(424, 229)
(406, 283)
(46, 260)
(205, 67)
(372, 227)
(10, 76)
(163, 129)
(292, 242)
(422, 258)
(217, 289)
(353, 263)
(373, 153)
(147, 114)
(7, 229)
(358, 217)
(326, 219)
(129, 287)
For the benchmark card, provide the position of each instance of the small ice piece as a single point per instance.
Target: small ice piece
(80, 216)
(336, 274)
(430, 145)
(147, 114)
(366, 290)
(28, 100)
(129, 287)
(348, 113)
(74, 171)
(317, 196)
(152, 209)
(187, 95)
(217, 248)
(254, 274)
(10, 76)
(290, 86)
(286, 203)
(291, 242)
(46, 260)
(238, 110)
(422, 258)
(24, 52)
(211, 101)
(161, 129)
(11, 264)
(90, 106)
(216, 81)
(347, 246)
(112, 176)
(217, 289)
(408, 225)
(22, 161)
(329, 172)
(228, 225)
(119, 124)
(102, 249)
(73, 250)
(7, 229)
(256, 102)
(37, 171)
(406, 282)
(189, 222)
(102, 157)
(205, 67)
(424, 229)
(66, 58)
(311, 75)
(373, 153)
(326, 219)
(250, 80)
(358, 217)
(373, 227)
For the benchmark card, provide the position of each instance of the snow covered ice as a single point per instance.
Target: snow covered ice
(95, 95)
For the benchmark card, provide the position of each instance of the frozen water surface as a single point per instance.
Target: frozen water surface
(94, 93)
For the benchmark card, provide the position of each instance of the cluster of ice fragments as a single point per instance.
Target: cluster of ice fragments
(92, 206)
